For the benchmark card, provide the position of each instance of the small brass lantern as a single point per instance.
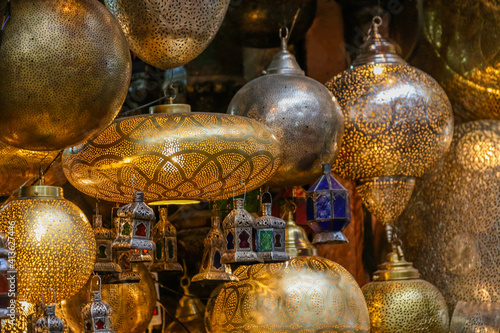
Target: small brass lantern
(239, 231)
(165, 239)
(296, 241)
(399, 301)
(104, 253)
(270, 240)
(328, 208)
(97, 314)
(136, 222)
(49, 323)
(211, 266)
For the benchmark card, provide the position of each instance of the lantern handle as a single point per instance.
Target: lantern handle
(324, 153)
(284, 38)
(43, 296)
(132, 180)
(376, 23)
(262, 197)
(245, 193)
(170, 93)
(92, 282)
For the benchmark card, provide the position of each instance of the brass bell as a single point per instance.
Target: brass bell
(104, 253)
(212, 269)
(296, 240)
(136, 222)
(399, 301)
(97, 314)
(49, 323)
(270, 240)
(190, 311)
(165, 239)
(239, 231)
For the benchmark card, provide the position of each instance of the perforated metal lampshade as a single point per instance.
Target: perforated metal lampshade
(172, 156)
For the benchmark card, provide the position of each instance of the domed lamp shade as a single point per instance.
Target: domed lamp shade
(168, 34)
(306, 294)
(303, 115)
(398, 122)
(65, 73)
(399, 301)
(55, 245)
(174, 156)
(19, 165)
(132, 304)
(451, 224)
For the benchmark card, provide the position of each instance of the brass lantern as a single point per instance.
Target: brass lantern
(239, 231)
(136, 222)
(306, 294)
(301, 112)
(8, 280)
(297, 242)
(399, 301)
(212, 269)
(49, 323)
(55, 245)
(165, 239)
(270, 236)
(174, 156)
(328, 208)
(97, 314)
(104, 237)
(67, 84)
(168, 35)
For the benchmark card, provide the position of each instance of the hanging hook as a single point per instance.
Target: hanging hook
(92, 283)
(170, 93)
(245, 193)
(43, 296)
(262, 197)
(284, 38)
(133, 187)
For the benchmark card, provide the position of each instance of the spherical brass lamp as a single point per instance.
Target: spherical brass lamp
(65, 73)
(54, 243)
(400, 302)
(305, 294)
(172, 156)
(451, 225)
(303, 115)
(398, 122)
(168, 34)
(133, 304)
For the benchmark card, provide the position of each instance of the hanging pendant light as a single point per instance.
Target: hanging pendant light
(297, 243)
(270, 236)
(165, 239)
(168, 35)
(174, 155)
(303, 115)
(55, 244)
(49, 323)
(399, 301)
(212, 269)
(239, 232)
(398, 123)
(328, 208)
(136, 222)
(97, 314)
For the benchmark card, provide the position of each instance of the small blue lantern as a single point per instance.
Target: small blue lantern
(328, 208)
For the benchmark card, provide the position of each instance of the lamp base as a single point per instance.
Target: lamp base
(274, 256)
(329, 237)
(243, 257)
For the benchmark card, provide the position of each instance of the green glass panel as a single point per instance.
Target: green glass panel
(266, 240)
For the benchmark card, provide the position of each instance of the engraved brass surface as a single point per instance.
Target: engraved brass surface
(168, 34)
(65, 73)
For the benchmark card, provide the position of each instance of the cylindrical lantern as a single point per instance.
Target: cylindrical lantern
(174, 156)
(65, 73)
(165, 239)
(303, 115)
(55, 245)
(168, 34)
(451, 225)
(306, 294)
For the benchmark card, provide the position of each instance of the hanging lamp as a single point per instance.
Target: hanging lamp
(174, 155)
(165, 239)
(302, 113)
(49, 322)
(296, 240)
(55, 244)
(97, 315)
(398, 123)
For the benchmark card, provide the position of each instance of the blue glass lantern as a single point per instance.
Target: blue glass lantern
(328, 208)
